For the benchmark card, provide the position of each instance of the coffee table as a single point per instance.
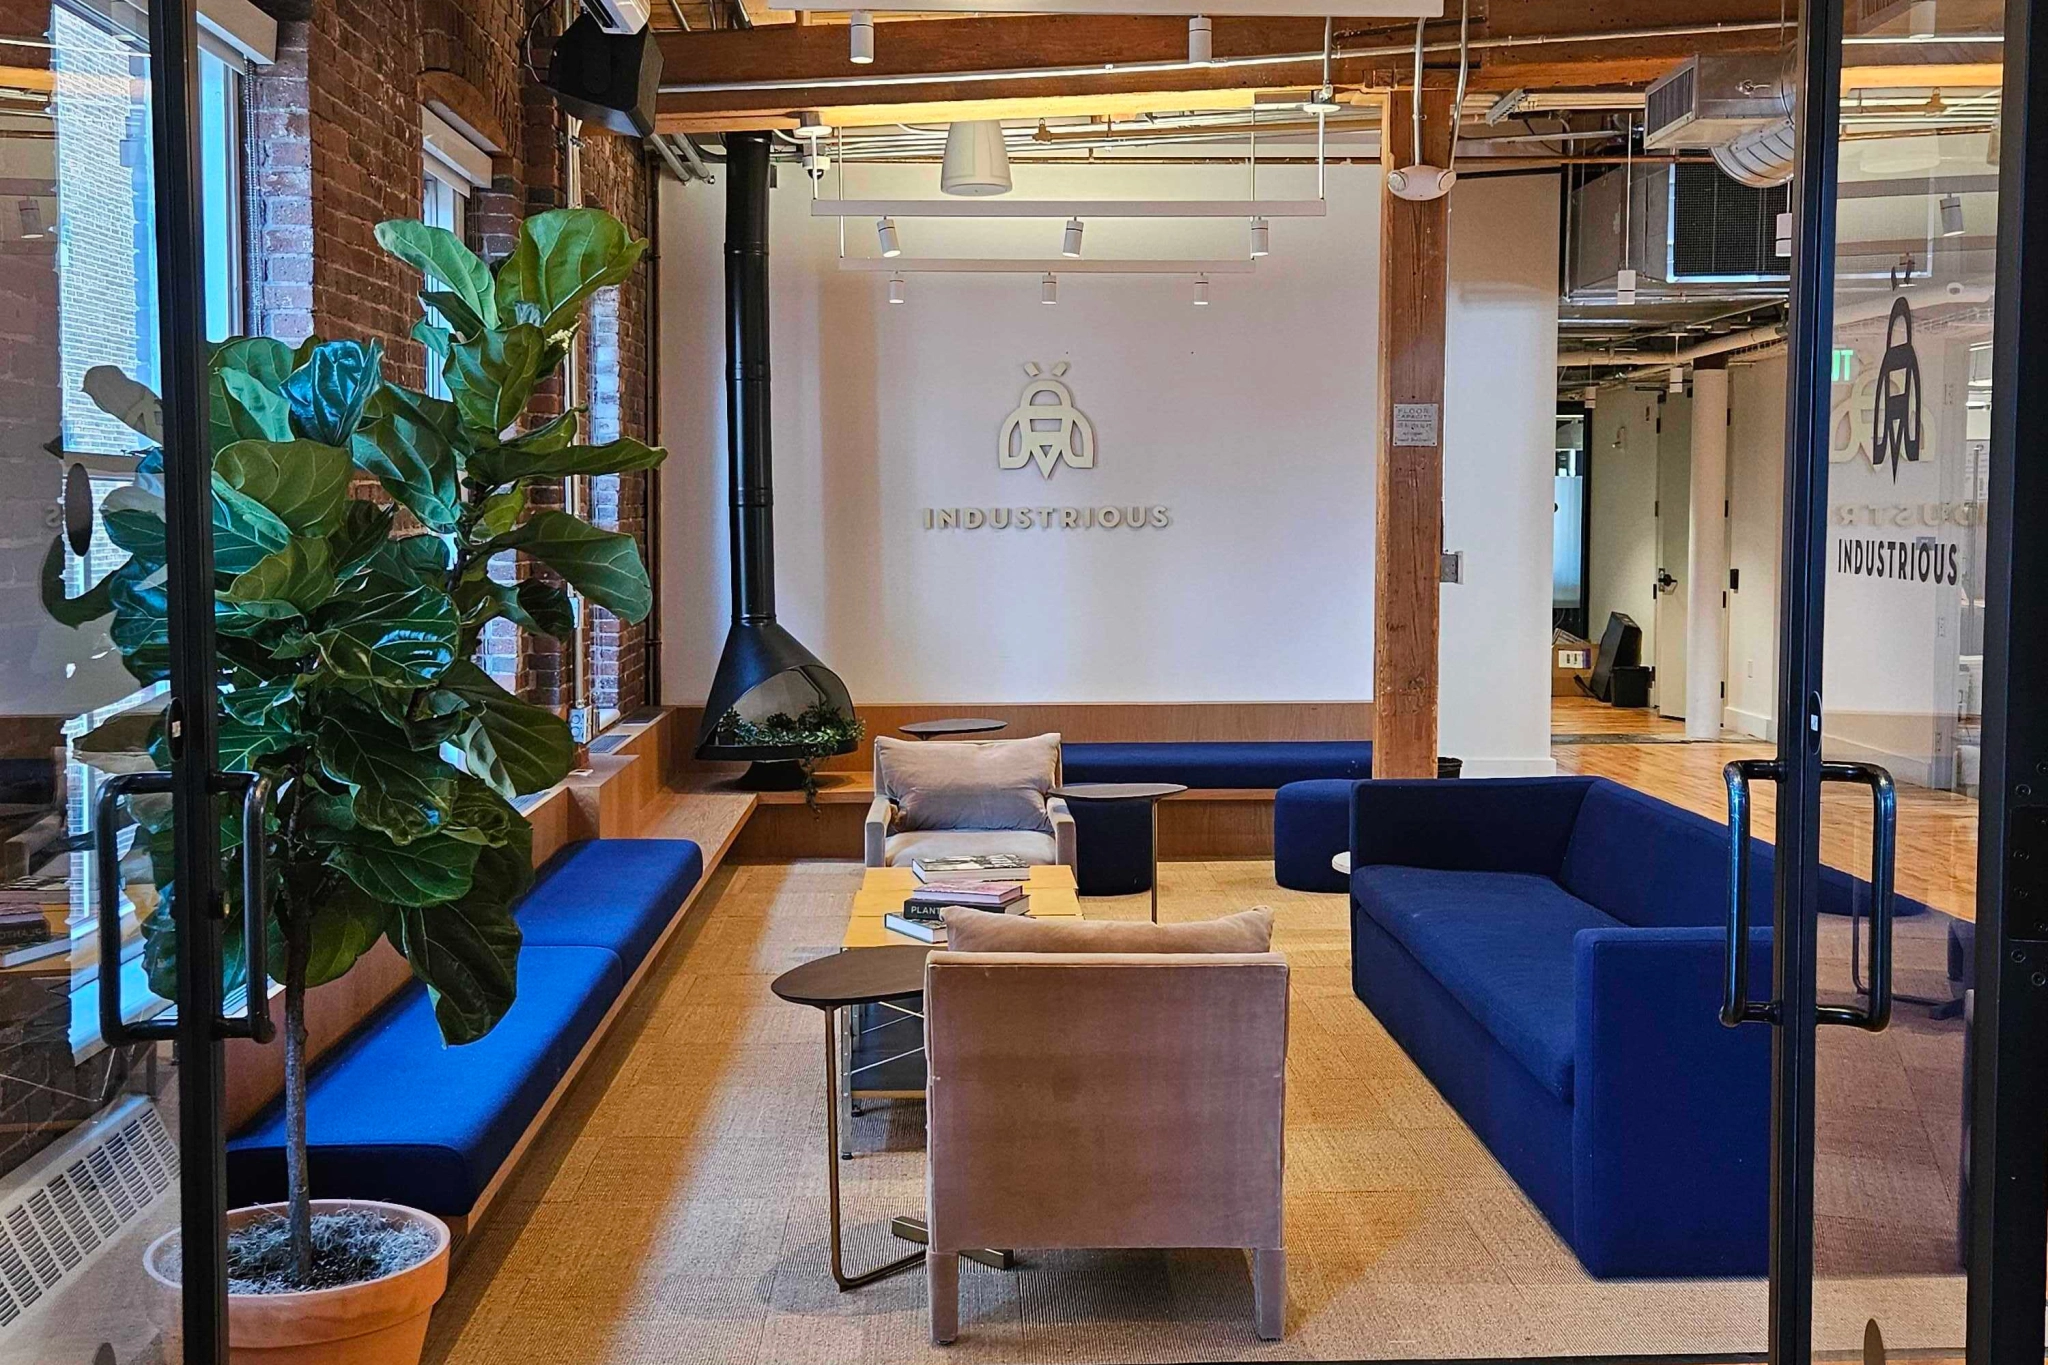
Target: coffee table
(884, 1060)
(1152, 793)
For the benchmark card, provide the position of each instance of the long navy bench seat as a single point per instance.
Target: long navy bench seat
(1212, 764)
(392, 1113)
(1550, 953)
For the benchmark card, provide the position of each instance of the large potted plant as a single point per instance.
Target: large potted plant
(347, 634)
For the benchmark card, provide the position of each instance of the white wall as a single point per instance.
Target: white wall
(1500, 407)
(1250, 420)
(1622, 538)
(1756, 517)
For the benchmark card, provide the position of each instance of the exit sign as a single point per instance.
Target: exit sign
(1845, 364)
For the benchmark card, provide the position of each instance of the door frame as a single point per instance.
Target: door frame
(188, 518)
(2009, 1072)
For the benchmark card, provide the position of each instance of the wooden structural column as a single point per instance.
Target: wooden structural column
(1414, 246)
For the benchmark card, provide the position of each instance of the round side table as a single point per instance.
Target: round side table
(856, 976)
(1152, 793)
(964, 725)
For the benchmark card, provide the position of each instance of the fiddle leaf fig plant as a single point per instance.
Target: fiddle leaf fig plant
(348, 628)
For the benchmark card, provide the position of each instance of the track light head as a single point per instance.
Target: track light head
(860, 28)
(895, 289)
(1262, 238)
(885, 235)
(1200, 49)
(1201, 291)
(1951, 215)
(1070, 242)
(1049, 289)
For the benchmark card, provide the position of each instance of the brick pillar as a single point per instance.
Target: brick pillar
(280, 187)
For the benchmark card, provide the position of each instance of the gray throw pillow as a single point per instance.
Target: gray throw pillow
(980, 931)
(968, 784)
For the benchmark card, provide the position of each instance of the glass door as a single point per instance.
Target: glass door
(109, 1092)
(1882, 685)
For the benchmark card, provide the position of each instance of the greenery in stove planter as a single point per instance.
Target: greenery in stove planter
(819, 730)
(347, 631)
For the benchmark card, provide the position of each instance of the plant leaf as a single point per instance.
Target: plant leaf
(126, 400)
(602, 565)
(328, 392)
(500, 512)
(493, 375)
(244, 530)
(304, 483)
(547, 608)
(534, 745)
(563, 257)
(89, 605)
(437, 340)
(120, 744)
(441, 257)
(508, 462)
(364, 529)
(135, 521)
(401, 640)
(258, 413)
(346, 925)
(405, 792)
(291, 582)
(468, 951)
(411, 458)
(425, 872)
(265, 359)
(480, 757)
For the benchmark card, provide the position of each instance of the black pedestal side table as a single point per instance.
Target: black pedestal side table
(1152, 793)
(963, 725)
(844, 980)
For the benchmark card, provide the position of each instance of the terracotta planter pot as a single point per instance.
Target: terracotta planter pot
(377, 1322)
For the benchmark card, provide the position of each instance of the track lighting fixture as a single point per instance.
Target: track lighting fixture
(1674, 379)
(1070, 243)
(1200, 51)
(1590, 396)
(1201, 291)
(1262, 238)
(1049, 289)
(1951, 215)
(1781, 244)
(1625, 287)
(885, 233)
(817, 160)
(895, 289)
(860, 28)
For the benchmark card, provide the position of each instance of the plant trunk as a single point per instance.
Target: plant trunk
(298, 1182)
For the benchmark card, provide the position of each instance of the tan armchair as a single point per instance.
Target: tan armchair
(954, 797)
(1105, 1100)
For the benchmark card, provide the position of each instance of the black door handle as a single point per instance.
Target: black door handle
(255, 1022)
(1736, 1006)
(1884, 841)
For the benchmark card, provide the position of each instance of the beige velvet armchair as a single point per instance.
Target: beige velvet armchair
(956, 797)
(1105, 1100)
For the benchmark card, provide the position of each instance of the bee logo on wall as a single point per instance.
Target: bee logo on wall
(1046, 428)
(1895, 424)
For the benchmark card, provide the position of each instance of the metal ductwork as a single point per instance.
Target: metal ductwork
(1739, 108)
(1762, 158)
(766, 680)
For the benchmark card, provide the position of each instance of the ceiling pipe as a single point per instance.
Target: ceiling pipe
(1721, 345)
(1100, 69)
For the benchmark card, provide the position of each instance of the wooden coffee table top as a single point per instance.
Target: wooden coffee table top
(1049, 893)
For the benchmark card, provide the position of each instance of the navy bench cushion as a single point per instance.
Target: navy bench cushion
(1502, 945)
(396, 1114)
(610, 893)
(1219, 763)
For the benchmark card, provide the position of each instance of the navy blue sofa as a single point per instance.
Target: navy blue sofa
(1114, 840)
(1550, 952)
(395, 1114)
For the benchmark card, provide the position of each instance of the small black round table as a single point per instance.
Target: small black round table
(856, 976)
(963, 725)
(1151, 793)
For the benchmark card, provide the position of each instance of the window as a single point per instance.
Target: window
(452, 168)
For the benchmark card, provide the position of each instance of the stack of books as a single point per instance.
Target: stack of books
(923, 917)
(33, 911)
(986, 867)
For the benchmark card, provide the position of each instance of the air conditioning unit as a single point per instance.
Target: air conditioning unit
(620, 16)
(1686, 225)
(1710, 101)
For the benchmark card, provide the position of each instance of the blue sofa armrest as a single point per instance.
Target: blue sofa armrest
(1493, 825)
(1670, 1109)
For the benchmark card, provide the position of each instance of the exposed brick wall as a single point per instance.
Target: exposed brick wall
(335, 149)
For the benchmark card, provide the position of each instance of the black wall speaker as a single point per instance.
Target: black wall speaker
(609, 79)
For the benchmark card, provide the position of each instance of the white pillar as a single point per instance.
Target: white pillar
(1706, 560)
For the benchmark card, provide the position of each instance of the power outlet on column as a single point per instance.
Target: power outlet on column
(1452, 567)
